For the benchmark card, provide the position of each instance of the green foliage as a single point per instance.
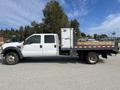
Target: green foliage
(102, 36)
(83, 35)
(113, 33)
(54, 18)
(89, 36)
(75, 24)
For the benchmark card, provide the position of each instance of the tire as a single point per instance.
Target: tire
(11, 58)
(92, 58)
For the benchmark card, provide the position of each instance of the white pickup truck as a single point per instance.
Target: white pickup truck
(39, 45)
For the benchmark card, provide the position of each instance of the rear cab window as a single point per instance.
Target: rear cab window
(49, 39)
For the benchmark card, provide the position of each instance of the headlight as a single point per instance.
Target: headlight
(1, 48)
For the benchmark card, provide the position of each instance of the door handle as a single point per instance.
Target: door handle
(40, 46)
(55, 46)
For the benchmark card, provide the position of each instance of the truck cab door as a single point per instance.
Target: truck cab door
(50, 46)
(32, 46)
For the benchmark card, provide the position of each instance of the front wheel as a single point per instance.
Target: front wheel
(92, 58)
(11, 58)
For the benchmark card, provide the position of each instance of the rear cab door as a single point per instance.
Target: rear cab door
(50, 45)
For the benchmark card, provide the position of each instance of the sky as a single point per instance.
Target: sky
(94, 16)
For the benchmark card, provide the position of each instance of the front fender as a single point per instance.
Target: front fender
(14, 49)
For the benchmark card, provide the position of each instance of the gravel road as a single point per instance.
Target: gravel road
(61, 74)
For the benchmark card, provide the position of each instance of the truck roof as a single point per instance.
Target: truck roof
(45, 34)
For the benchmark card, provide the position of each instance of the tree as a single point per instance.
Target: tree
(27, 31)
(95, 36)
(75, 24)
(89, 36)
(21, 31)
(34, 23)
(113, 33)
(35, 27)
(83, 35)
(103, 36)
(54, 17)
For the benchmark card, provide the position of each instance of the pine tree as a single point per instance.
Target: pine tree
(54, 17)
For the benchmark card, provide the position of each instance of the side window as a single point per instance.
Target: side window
(49, 39)
(33, 39)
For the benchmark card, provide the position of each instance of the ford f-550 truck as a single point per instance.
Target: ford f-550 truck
(39, 45)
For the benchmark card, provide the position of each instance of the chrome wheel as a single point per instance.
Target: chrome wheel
(10, 59)
(92, 58)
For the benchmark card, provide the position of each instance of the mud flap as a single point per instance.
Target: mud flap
(104, 55)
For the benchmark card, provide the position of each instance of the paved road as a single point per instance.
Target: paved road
(61, 74)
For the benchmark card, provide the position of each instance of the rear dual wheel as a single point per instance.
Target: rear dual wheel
(92, 58)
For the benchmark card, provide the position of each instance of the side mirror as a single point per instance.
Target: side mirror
(24, 43)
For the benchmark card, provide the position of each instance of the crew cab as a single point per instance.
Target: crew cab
(39, 45)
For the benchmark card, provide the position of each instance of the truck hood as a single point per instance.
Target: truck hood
(14, 44)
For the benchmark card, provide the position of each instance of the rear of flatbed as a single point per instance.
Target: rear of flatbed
(88, 51)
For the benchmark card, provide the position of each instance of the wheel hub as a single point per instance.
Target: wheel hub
(92, 59)
(11, 59)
